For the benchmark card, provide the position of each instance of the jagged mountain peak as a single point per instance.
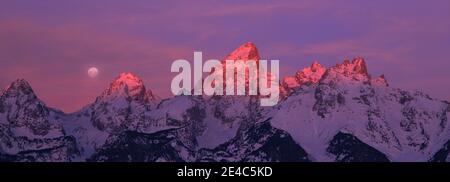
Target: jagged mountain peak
(20, 82)
(126, 79)
(245, 52)
(356, 66)
(19, 87)
(21, 95)
(128, 76)
(380, 81)
(339, 114)
(26, 114)
(403, 126)
(123, 102)
(316, 66)
(355, 70)
(308, 75)
(126, 85)
(360, 66)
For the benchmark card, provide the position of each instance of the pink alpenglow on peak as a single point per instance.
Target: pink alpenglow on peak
(240, 73)
(357, 66)
(127, 84)
(309, 75)
(128, 79)
(360, 66)
(245, 52)
(348, 72)
(355, 70)
(126, 94)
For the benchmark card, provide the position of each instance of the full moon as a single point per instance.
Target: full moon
(92, 72)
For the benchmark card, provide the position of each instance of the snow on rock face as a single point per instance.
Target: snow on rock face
(24, 110)
(126, 85)
(163, 146)
(405, 126)
(21, 148)
(443, 154)
(355, 70)
(260, 142)
(359, 66)
(121, 107)
(246, 52)
(88, 138)
(176, 112)
(225, 116)
(327, 114)
(348, 148)
(309, 75)
(348, 71)
(29, 131)
(125, 101)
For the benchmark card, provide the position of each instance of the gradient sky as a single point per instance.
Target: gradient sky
(52, 43)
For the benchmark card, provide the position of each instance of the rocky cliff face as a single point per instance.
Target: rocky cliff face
(340, 113)
(29, 130)
(404, 126)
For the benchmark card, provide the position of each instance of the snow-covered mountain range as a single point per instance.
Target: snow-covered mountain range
(340, 113)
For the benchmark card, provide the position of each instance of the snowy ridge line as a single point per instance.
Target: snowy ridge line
(340, 113)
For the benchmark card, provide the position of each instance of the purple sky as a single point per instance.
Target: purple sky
(52, 43)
